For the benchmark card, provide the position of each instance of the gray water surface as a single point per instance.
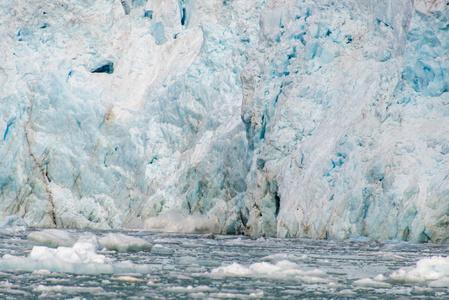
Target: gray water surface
(182, 265)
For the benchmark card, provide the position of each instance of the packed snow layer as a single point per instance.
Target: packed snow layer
(80, 258)
(292, 118)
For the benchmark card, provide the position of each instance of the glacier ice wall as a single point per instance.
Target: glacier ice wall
(318, 119)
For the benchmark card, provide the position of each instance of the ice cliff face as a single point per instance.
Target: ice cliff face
(322, 119)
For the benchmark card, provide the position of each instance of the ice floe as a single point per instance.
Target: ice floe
(431, 270)
(123, 243)
(52, 238)
(80, 258)
(281, 270)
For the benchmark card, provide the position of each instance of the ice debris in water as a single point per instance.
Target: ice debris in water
(434, 270)
(52, 238)
(282, 269)
(172, 221)
(112, 241)
(427, 269)
(285, 256)
(128, 278)
(81, 258)
(161, 250)
(123, 243)
(368, 282)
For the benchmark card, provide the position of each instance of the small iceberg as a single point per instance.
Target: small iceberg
(77, 256)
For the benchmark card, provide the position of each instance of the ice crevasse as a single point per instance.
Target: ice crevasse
(319, 119)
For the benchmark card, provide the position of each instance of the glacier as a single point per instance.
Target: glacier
(289, 118)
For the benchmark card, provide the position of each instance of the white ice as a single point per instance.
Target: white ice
(52, 238)
(124, 243)
(281, 270)
(431, 270)
(81, 258)
(427, 269)
(288, 118)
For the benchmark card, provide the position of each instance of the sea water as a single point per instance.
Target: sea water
(180, 266)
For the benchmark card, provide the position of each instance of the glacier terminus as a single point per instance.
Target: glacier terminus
(279, 118)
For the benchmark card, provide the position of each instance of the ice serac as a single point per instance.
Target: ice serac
(321, 119)
(343, 103)
(113, 111)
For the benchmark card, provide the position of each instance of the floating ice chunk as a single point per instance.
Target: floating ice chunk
(127, 267)
(231, 295)
(191, 289)
(440, 283)
(128, 279)
(232, 270)
(173, 221)
(124, 243)
(368, 282)
(265, 268)
(284, 256)
(385, 255)
(380, 277)
(258, 294)
(70, 259)
(434, 270)
(282, 270)
(161, 250)
(427, 269)
(418, 290)
(82, 258)
(52, 238)
(42, 272)
(11, 262)
(68, 289)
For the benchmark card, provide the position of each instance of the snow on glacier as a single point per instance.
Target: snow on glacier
(285, 118)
